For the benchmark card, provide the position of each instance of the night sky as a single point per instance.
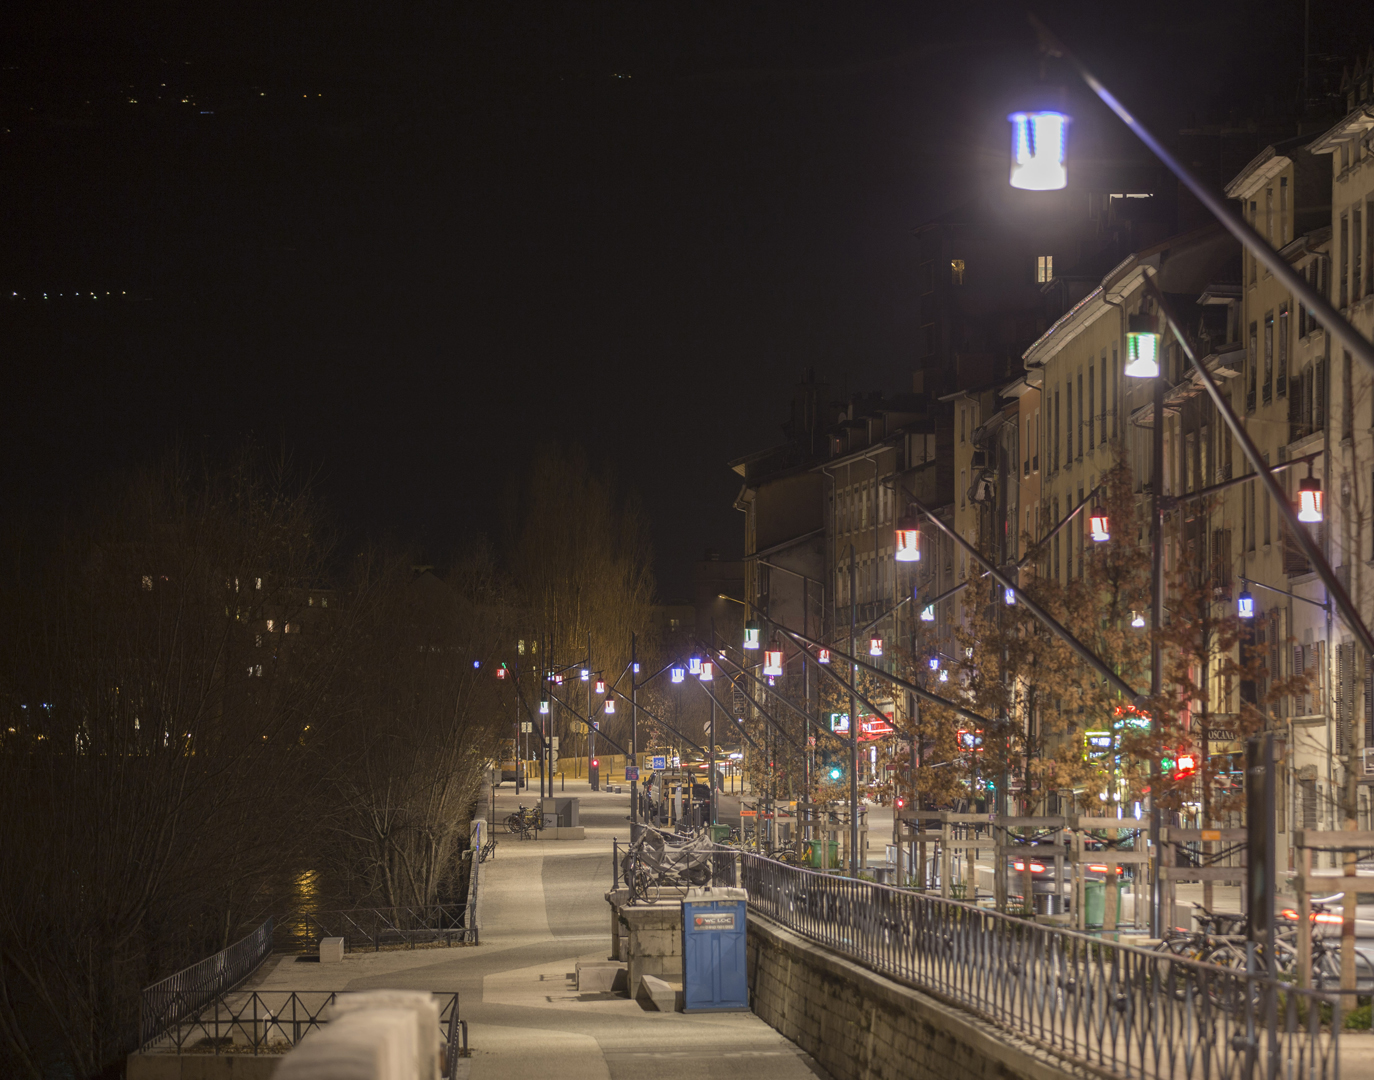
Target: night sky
(413, 242)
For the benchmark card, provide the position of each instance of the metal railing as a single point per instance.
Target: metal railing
(178, 996)
(375, 927)
(273, 1021)
(1114, 1008)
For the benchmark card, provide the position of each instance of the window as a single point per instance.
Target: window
(1267, 510)
(1114, 390)
(147, 582)
(1343, 253)
(963, 425)
(1092, 397)
(1254, 263)
(271, 625)
(1054, 462)
(1347, 397)
(257, 640)
(259, 583)
(956, 271)
(1104, 395)
(1080, 416)
(963, 486)
(1068, 422)
(1044, 269)
(1268, 357)
(1369, 244)
(1281, 376)
(1252, 365)
(1356, 243)
(1283, 210)
(1269, 214)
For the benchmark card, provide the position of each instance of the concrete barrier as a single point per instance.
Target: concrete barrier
(861, 1026)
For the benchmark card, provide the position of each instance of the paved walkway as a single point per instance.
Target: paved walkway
(543, 910)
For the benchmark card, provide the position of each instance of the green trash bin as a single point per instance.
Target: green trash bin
(720, 833)
(813, 854)
(1095, 903)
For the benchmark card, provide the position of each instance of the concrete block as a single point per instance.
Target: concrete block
(602, 977)
(421, 1003)
(662, 995)
(331, 950)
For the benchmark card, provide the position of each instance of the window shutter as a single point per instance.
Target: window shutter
(1345, 665)
(1299, 703)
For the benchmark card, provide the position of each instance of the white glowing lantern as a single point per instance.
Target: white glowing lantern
(823, 656)
(586, 674)
(1137, 620)
(694, 665)
(678, 674)
(772, 661)
(609, 706)
(1038, 144)
(908, 540)
(1009, 596)
(944, 675)
(928, 613)
(600, 686)
(751, 635)
(708, 671)
(544, 705)
(1142, 348)
(1098, 525)
(875, 646)
(1310, 499)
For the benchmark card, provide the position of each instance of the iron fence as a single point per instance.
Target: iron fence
(1114, 1008)
(273, 1021)
(374, 927)
(178, 996)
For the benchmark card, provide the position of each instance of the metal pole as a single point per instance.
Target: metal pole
(1335, 590)
(853, 732)
(1156, 655)
(1275, 263)
(634, 730)
(591, 727)
(1083, 652)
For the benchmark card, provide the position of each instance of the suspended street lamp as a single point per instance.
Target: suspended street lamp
(1009, 597)
(772, 661)
(694, 664)
(934, 663)
(678, 674)
(823, 656)
(944, 675)
(1142, 348)
(1038, 144)
(708, 671)
(609, 706)
(544, 704)
(928, 613)
(908, 539)
(586, 674)
(751, 634)
(1310, 498)
(875, 646)
(1245, 604)
(1137, 620)
(1098, 525)
(600, 685)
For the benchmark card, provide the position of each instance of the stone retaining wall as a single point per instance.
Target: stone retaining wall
(862, 1026)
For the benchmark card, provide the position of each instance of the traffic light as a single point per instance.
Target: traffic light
(832, 766)
(594, 774)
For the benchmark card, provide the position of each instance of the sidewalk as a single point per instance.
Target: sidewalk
(543, 910)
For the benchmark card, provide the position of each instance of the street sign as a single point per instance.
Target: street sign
(596, 725)
(660, 762)
(631, 773)
(554, 739)
(526, 727)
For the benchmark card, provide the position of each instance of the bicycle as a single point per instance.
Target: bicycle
(488, 850)
(525, 823)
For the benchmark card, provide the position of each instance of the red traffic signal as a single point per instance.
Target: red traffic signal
(596, 763)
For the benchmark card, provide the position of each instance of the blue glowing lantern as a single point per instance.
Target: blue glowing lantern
(1245, 605)
(678, 673)
(1038, 144)
(928, 613)
(694, 665)
(751, 635)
